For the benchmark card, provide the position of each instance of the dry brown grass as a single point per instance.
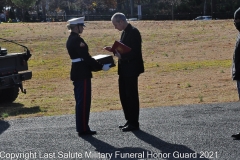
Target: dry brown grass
(186, 62)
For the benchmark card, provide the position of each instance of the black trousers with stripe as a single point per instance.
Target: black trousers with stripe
(128, 91)
(82, 93)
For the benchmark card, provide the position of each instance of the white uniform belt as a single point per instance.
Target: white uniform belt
(77, 60)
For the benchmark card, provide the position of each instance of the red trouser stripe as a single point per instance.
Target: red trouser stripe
(84, 104)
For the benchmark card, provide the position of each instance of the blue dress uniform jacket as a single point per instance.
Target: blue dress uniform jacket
(77, 48)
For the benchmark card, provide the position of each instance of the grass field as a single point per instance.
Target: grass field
(186, 62)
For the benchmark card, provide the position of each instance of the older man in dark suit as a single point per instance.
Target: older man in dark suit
(236, 59)
(130, 66)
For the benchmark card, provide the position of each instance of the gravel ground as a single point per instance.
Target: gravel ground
(179, 132)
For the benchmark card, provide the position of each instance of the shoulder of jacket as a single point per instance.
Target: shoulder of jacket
(135, 29)
(78, 38)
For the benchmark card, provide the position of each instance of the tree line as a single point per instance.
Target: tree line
(160, 9)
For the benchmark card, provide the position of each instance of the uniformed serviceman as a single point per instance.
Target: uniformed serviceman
(81, 74)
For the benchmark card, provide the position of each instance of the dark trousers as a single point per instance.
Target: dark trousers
(128, 91)
(82, 92)
(238, 88)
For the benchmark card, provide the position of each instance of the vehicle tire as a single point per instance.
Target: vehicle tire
(9, 95)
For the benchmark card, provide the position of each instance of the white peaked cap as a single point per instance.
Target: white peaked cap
(79, 21)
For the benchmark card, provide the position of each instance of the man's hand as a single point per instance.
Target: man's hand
(117, 54)
(108, 48)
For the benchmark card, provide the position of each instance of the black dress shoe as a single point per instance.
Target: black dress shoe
(130, 128)
(125, 125)
(236, 136)
(87, 133)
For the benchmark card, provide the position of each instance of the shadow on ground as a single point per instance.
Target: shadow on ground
(15, 109)
(117, 153)
(167, 150)
(3, 126)
(175, 151)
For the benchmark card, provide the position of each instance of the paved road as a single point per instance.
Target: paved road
(181, 132)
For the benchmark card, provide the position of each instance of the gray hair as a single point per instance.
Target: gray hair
(118, 17)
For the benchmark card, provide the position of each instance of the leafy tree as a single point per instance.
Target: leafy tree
(4, 3)
(170, 8)
(24, 5)
(91, 6)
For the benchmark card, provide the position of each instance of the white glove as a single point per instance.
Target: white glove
(106, 67)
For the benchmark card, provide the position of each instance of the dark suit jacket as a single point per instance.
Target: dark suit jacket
(131, 63)
(236, 61)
